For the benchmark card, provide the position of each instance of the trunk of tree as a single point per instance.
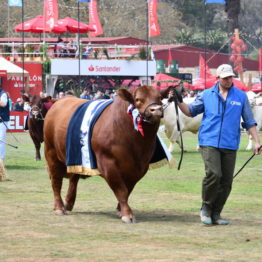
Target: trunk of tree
(233, 10)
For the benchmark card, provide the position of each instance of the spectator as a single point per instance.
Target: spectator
(19, 105)
(10, 102)
(61, 95)
(4, 116)
(60, 48)
(42, 94)
(86, 94)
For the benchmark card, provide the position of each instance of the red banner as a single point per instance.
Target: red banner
(154, 29)
(260, 61)
(14, 84)
(94, 20)
(202, 70)
(17, 121)
(50, 13)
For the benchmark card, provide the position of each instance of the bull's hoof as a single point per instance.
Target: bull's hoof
(129, 220)
(68, 207)
(59, 212)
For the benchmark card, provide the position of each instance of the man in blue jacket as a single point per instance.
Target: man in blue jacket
(222, 106)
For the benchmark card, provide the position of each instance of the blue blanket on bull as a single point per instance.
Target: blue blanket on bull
(80, 159)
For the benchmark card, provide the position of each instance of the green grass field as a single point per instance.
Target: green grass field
(166, 204)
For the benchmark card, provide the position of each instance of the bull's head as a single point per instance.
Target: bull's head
(147, 100)
(38, 110)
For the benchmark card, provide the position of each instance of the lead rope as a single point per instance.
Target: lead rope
(180, 132)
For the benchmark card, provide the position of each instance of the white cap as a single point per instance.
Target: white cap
(224, 71)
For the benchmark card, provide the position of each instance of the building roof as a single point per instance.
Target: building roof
(188, 56)
(124, 40)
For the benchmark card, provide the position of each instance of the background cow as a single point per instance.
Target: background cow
(122, 153)
(186, 123)
(37, 108)
(256, 105)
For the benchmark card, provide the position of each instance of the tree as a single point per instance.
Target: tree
(232, 9)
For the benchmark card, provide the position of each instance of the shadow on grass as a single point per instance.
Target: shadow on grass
(22, 167)
(147, 216)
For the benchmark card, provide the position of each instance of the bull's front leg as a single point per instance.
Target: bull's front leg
(37, 147)
(122, 193)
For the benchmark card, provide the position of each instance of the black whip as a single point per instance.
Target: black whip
(8, 144)
(246, 163)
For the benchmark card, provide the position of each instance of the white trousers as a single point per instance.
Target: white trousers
(2, 139)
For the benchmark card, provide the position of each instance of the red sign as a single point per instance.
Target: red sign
(3, 73)
(94, 20)
(154, 29)
(50, 13)
(17, 121)
(14, 84)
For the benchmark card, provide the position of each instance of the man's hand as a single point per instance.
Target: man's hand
(175, 93)
(257, 149)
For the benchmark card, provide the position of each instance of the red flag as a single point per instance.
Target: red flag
(169, 59)
(260, 60)
(154, 29)
(202, 70)
(94, 20)
(50, 14)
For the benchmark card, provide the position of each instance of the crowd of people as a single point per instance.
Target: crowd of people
(71, 49)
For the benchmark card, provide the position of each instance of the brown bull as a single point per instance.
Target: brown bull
(122, 153)
(35, 120)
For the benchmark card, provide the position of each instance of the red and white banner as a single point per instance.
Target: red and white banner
(50, 13)
(17, 121)
(154, 29)
(14, 84)
(94, 20)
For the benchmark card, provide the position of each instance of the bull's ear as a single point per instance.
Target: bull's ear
(25, 98)
(125, 95)
(46, 99)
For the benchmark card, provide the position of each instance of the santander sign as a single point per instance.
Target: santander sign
(92, 68)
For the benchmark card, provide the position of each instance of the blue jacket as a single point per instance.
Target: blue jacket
(220, 126)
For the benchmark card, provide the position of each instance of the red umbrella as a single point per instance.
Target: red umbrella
(36, 25)
(201, 83)
(240, 85)
(257, 87)
(162, 80)
(72, 25)
(164, 77)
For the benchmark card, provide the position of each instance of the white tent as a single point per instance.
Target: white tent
(13, 70)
